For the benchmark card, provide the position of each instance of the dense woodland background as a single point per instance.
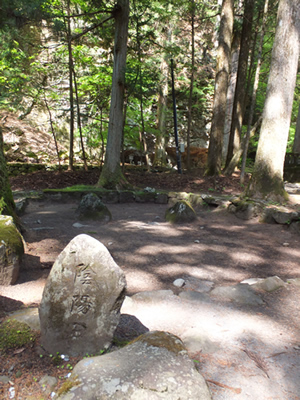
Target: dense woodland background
(58, 57)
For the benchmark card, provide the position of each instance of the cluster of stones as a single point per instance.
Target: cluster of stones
(79, 314)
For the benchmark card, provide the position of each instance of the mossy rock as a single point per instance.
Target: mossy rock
(91, 207)
(162, 339)
(11, 250)
(15, 334)
(182, 212)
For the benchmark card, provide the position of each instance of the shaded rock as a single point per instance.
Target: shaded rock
(245, 209)
(21, 205)
(239, 293)
(295, 226)
(155, 366)
(129, 328)
(11, 251)
(280, 215)
(80, 307)
(91, 207)
(47, 383)
(29, 316)
(180, 213)
(215, 201)
(194, 296)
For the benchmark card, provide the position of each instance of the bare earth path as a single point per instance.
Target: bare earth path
(245, 352)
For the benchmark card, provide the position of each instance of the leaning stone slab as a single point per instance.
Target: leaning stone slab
(11, 251)
(80, 307)
(180, 213)
(239, 293)
(154, 366)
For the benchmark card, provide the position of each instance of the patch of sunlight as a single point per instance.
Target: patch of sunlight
(152, 249)
(243, 256)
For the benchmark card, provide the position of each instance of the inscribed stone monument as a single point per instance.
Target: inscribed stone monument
(80, 307)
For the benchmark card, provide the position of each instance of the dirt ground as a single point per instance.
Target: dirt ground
(218, 247)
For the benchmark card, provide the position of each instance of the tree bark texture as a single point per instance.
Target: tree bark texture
(267, 179)
(111, 175)
(240, 90)
(7, 204)
(296, 144)
(214, 161)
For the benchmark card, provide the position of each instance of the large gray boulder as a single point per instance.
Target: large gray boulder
(80, 307)
(154, 366)
(11, 251)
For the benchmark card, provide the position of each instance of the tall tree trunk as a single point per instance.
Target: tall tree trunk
(190, 104)
(71, 95)
(235, 51)
(254, 92)
(52, 129)
(267, 179)
(111, 175)
(79, 122)
(296, 144)
(7, 204)
(160, 144)
(214, 161)
(239, 97)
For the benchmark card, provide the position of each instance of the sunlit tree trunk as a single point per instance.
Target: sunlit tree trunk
(111, 175)
(214, 161)
(7, 204)
(267, 179)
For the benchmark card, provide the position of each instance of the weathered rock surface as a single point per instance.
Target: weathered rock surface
(11, 251)
(268, 284)
(80, 307)
(240, 293)
(155, 366)
(91, 207)
(180, 213)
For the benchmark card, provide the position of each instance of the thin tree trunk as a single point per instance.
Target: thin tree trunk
(111, 175)
(239, 97)
(214, 160)
(71, 95)
(254, 92)
(52, 129)
(190, 103)
(79, 122)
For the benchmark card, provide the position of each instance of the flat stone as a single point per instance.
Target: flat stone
(155, 366)
(152, 296)
(239, 293)
(269, 284)
(29, 316)
(191, 295)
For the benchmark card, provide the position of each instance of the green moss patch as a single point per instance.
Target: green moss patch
(15, 334)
